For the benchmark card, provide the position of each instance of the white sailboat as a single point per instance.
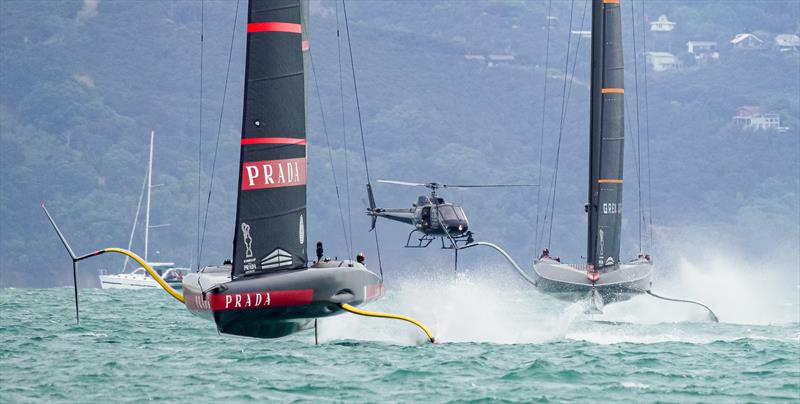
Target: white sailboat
(139, 278)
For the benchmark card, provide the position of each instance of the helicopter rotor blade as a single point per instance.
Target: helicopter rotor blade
(409, 184)
(490, 186)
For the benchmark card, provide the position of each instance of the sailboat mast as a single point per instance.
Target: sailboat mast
(149, 186)
(606, 135)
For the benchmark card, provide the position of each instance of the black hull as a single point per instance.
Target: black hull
(278, 304)
(616, 284)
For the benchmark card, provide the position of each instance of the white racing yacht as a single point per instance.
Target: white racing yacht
(139, 278)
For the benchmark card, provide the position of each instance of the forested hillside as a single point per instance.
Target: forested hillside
(82, 84)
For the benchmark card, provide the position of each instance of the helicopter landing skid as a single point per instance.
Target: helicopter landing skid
(422, 242)
(457, 242)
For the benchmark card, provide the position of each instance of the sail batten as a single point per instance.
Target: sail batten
(271, 205)
(606, 135)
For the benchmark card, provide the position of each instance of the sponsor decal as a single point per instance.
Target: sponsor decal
(276, 259)
(248, 241)
(249, 263)
(301, 234)
(602, 245)
(252, 300)
(273, 174)
(612, 208)
(610, 261)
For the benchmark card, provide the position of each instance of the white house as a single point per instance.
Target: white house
(663, 24)
(752, 118)
(747, 41)
(787, 42)
(663, 61)
(703, 50)
(500, 59)
(583, 34)
(552, 22)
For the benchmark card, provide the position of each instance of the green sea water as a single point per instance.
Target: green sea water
(505, 344)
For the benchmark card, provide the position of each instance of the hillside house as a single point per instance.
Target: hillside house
(500, 59)
(787, 42)
(753, 118)
(703, 51)
(662, 24)
(552, 22)
(473, 56)
(663, 61)
(747, 41)
(661, 32)
(583, 34)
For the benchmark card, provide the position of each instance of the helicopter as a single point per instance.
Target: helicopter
(431, 216)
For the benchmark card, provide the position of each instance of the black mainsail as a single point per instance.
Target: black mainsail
(271, 208)
(607, 135)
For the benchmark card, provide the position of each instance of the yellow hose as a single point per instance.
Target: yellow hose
(361, 312)
(149, 269)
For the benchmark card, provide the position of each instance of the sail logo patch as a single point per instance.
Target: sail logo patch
(302, 231)
(601, 247)
(248, 263)
(276, 259)
(612, 208)
(248, 241)
(273, 174)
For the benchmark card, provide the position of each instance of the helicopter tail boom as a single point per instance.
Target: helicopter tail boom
(372, 207)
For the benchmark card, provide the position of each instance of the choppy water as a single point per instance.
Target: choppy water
(496, 344)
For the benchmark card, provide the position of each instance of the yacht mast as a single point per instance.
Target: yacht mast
(149, 186)
(607, 136)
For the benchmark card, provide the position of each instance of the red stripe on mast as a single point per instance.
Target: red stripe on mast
(273, 140)
(274, 27)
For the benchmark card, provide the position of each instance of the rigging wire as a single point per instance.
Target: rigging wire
(561, 114)
(200, 143)
(564, 106)
(541, 134)
(349, 236)
(638, 125)
(636, 161)
(136, 218)
(361, 126)
(330, 152)
(219, 134)
(647, 129)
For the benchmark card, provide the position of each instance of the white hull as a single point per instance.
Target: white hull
(132, 281)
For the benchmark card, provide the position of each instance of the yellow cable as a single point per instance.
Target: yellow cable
(361, 312)
(149, 270)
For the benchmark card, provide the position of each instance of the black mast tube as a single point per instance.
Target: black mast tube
(606, 135)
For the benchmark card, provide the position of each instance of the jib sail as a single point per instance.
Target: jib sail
(607, 135)
(271, 207)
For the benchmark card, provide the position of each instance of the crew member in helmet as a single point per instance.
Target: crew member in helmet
(360, 258)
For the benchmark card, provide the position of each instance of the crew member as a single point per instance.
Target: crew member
(545, 253)
(360, 258)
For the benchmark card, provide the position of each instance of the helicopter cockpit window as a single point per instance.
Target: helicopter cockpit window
(448, 213)
(422, 200)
